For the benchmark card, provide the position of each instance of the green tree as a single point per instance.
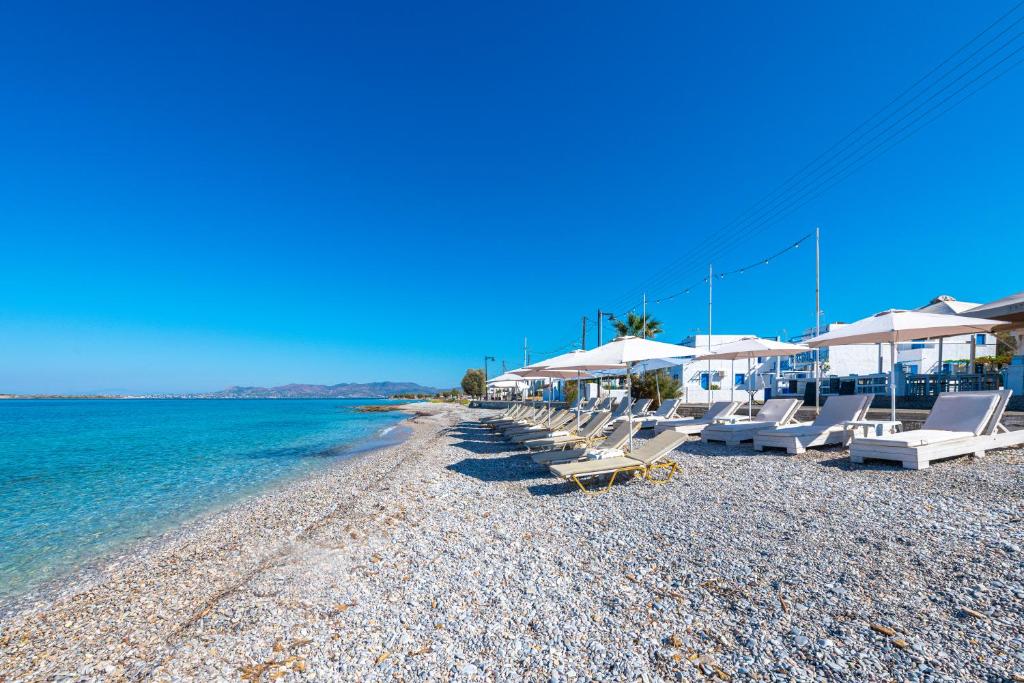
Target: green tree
(473, 382)
(572, 390)
(655, 383)
(634, 325)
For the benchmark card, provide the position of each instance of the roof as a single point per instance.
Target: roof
(1009, 308)
(947, 304)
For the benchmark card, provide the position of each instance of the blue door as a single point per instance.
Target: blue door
(705, 381)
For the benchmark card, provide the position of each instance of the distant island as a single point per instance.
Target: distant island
(343, 390)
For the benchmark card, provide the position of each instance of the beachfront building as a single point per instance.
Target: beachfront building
(702, 381)
(923, 367)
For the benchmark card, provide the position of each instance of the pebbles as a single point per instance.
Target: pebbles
(452, 557)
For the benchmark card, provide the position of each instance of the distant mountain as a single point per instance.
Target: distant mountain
(344, 390)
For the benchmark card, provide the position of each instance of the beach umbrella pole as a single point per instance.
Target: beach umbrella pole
(892, 380)
(629, 397)
(750, 392)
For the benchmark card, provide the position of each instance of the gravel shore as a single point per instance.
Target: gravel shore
(451, 557)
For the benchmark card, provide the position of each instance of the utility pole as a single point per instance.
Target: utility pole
(486, 358)
(600, 324)
(643, 328)
(817, 318)
(526, 353)
(584, 337)
(711, 378)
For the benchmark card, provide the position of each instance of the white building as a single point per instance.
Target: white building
(702, 381)
(866, 366)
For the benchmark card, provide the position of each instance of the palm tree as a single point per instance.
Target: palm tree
(637, 326)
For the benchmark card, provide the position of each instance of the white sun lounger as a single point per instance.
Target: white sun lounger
(645, 460)
(666, 411)
(826, 430)
(694, 426)
(960, 423)
(587, 432)
(617, 439)
(774, 413)
(556, 422)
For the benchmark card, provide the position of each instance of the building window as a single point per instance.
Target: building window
(705, 381)
(979, 339)
(739, 379)
(917, 344)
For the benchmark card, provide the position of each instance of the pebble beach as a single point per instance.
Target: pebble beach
(453, 557)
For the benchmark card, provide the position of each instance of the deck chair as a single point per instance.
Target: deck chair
(544, 428)
(774, 413)
(588, 432)
(666, 411)
(620, 410)
(960, 423)
(525, 417)
(826, 430)
(557, 420)
(638, 410)
(646, 460)
(506, 414)
(617, 439)
(694, 426)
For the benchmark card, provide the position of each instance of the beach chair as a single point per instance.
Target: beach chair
(587, 433)
(827, 429)
(557, 423)
(526, 417)
(694, 426)
(508, 414)
(645, 460)
(620, 410)
(735, 430)
(616, 440)
(640, 407)
(553, 420)
(666, 411)
(960, 423)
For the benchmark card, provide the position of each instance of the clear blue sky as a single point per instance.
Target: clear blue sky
(205, 194)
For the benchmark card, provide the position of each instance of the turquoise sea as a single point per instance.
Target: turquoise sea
(81, 478)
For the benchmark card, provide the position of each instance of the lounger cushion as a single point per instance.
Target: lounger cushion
(962, 412)
(912, 439)
(775, 410)
(839, 409)
(570, 469)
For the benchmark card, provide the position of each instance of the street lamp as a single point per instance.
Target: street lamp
(486, 358)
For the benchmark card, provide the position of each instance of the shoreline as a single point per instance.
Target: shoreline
(451, 556)
(119, 575)
(91, 571)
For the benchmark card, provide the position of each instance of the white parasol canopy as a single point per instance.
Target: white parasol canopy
(749, 348)
(506, 379)
(895, 326)
(621, 353)
(541, 370)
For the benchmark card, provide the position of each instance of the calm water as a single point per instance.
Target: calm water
(81, 477)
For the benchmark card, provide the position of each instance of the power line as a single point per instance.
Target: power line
(779, 202)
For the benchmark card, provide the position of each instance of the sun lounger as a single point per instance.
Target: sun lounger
(512, 413)
(638, 410)
(774, 413)
(525, 417)
(617, 439)
(826, 430)
(959, 423)
(666, 411)
(694, 426)
(557, 420)
(544, 429)
(646, 460)
(588, 432)
(620, 410)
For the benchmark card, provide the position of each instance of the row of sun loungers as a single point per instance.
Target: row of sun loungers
(959, 423)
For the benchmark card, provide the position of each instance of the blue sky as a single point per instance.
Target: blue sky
(206, 194)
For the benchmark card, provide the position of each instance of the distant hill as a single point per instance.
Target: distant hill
(344, 390)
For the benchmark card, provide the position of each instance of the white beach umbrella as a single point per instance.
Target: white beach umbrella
(750, 348)
(620, 354)
(544, 369)
(506, 377)
(895, 326)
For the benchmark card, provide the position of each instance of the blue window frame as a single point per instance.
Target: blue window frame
(739, 379)
(917, 344)
(705, 380)
(979, 338)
